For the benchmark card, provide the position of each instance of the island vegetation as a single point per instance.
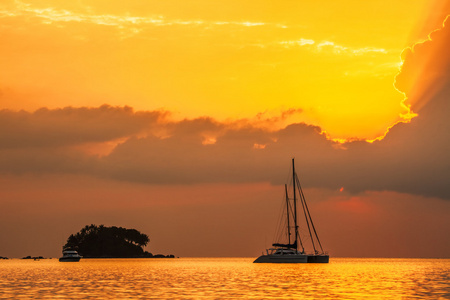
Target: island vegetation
(109, 242)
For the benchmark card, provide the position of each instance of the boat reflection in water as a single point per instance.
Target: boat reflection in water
(70, 256)
(289, 252)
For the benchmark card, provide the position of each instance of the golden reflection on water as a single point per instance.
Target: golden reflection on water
(224, 278)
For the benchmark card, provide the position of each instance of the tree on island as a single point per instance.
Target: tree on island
(100, 242)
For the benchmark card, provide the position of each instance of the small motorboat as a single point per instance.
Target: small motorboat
(70, 255)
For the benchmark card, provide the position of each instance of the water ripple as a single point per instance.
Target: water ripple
(225, 278)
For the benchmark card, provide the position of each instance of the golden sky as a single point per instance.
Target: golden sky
(334, 62)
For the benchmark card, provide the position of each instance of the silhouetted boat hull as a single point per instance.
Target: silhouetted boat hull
(282, 259)
(69, 259)
(280, 255)
(320, 258)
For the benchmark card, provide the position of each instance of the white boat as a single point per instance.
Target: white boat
(70, 255)
(292, 249)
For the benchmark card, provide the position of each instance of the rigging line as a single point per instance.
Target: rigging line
(307, 209)
(284, 226)
(304, 211)
(279, 232)
(298, 233)
(312, 223)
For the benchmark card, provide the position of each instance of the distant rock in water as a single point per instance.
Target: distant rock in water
(33, 257)
(108, 242)
(164, 256)
(3, 257)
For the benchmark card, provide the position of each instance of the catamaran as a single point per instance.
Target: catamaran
(294, 251)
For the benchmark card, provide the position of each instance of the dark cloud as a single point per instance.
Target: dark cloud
(71, 126)
(407, 160)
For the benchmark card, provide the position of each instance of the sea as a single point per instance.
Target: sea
(224, 278)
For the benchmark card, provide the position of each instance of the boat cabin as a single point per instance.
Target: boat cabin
(282, 251)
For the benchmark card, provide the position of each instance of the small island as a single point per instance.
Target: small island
(110, 242)
(33, 257)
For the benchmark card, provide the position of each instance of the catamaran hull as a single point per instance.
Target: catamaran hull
(293, 259)
(282, 259)
(321, 259)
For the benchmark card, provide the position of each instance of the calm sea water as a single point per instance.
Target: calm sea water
(224, 278)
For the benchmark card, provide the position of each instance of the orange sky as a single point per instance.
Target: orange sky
(180, 120)
(334, 61)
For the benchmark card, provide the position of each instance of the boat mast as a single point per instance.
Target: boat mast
(287, 214)
(295, 205)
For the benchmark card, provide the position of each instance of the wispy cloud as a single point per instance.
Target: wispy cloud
(331, 46)
(50, 14)
(300, 42)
